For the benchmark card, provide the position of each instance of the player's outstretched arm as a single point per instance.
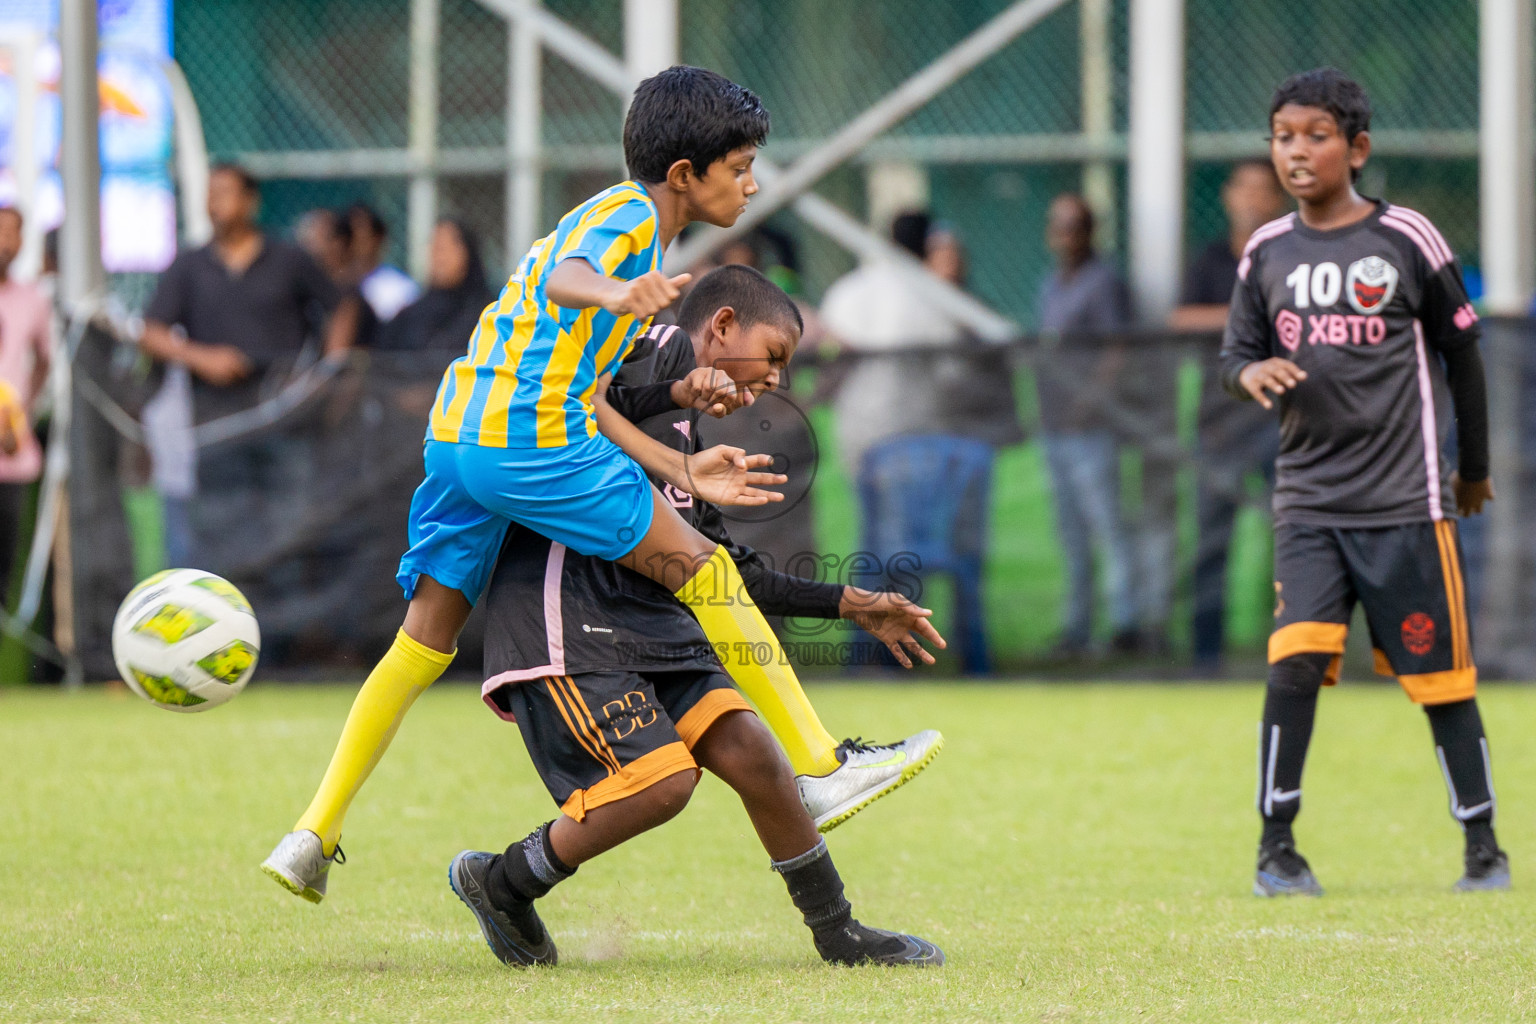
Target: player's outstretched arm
(723, 475)
(574, 284)
(890, 617)
(893, 620)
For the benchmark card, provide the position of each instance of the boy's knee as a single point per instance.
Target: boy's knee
(666, 797)
(1300, 675)
(742, 752)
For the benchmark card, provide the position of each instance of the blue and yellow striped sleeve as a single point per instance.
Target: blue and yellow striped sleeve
(611, 234)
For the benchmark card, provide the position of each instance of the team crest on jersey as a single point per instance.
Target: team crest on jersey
(1369, 284)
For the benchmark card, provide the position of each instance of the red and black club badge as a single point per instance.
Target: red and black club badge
(1369, 284)
(1419, 634)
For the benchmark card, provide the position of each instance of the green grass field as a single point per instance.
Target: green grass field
(1082, 853)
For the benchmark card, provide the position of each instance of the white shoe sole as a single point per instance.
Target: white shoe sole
(856, 803)
(290, 881)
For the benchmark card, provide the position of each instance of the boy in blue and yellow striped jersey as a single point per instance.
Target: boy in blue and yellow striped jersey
(521, 433)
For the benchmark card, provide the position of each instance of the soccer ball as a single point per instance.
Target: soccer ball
(185, 640)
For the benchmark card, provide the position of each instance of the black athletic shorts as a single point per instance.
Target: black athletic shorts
(1409, 580)
(601, 736)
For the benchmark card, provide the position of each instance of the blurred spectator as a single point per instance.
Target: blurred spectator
(26, 322)
(976, 384)
(236, 313)
(1251, 197)
(769, 250)
(387, 288)
(909, 412)
(1075, 376)
(326, 235)
(876, 316)
(1237, 440)
(457, 293)
(742, 251)
(977, 402)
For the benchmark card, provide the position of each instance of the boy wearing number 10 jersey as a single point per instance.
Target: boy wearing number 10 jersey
(1351, 312)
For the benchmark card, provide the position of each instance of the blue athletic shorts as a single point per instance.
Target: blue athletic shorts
(590, 496)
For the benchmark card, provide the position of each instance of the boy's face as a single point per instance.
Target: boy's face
(1310, 153)
(754, 357)
(720, 195)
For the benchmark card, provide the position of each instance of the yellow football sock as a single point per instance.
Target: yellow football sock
(718, 599)
(406, 669)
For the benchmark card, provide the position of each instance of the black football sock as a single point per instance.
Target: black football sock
(1290, 703)
(816, 889)
(528, 870)
(1462, 749)
(817, 892)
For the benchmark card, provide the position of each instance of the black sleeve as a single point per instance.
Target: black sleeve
(774, 593)
(169, 303)
(1444, 308)
(1450, 325)
(1246, 339)
(1469, 397)
(640, 402)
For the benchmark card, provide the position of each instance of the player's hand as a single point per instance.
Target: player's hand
(711, 391)
(1471, 494)
(219, 365)
(646, 295)
(729, 476)
(892, 619)
(1270, 375)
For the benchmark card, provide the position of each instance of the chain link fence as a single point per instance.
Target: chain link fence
(315, 95)
(279, 77)
(965, 523)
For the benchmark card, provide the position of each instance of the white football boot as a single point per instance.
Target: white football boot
(300, 865)
(868, 772)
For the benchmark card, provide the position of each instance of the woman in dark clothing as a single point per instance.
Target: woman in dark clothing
(445, 316)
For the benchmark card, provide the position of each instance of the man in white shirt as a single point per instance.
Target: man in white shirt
(877, 309)
(387, 289)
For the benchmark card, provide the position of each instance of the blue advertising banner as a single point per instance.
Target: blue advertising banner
(138, 208)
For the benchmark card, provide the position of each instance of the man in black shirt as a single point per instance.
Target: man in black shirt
(1236, 440)
(1351, 313)
(237, 313)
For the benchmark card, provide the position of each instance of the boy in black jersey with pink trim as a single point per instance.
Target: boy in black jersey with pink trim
(1352, 313)
(622, 701)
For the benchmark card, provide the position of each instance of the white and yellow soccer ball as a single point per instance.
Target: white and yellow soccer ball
(185, 640)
